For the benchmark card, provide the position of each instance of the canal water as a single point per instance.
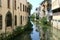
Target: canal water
(33, 35)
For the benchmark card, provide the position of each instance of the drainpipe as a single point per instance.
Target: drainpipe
(5, 28)
(57, 26)
(13, 16)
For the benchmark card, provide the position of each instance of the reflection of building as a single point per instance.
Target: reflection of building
(13, 13)
(56, 19)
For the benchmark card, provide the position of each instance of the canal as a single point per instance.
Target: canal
(33, 35)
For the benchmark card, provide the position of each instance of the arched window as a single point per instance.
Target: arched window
(0, 21)
(8, 19)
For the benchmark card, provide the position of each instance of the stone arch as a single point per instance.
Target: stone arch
(8, 19)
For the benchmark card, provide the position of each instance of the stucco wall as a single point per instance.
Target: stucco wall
(4, 9)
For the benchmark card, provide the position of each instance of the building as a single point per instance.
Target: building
(56, 19)
(37, 12)
(45, 11)
(13, 13)
(42, 10)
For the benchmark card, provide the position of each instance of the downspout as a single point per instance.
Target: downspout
(13, 16)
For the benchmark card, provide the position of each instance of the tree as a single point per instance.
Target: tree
(45, 25)
(29, 7)
(32, 17)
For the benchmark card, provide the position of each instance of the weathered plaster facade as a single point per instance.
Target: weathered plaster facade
(56, 19)
(13, 14)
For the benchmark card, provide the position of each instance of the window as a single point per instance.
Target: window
(8, 19)
(58, 20)
(15, 20)
(15, 4)
(27, 9)
(21, 19)
(0, 3)
(23, 7)
(8, 3)
(0, 21)
(20, 6)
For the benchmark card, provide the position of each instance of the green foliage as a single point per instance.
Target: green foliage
(29, 5)
(32, 17)
(45, 24)
(28, 26)
(37, 16)
(18, 31)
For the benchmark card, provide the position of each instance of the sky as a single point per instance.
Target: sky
(35, 4)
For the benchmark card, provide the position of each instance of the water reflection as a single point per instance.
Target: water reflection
(33, 35)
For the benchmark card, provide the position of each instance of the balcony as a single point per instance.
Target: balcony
(56, 10)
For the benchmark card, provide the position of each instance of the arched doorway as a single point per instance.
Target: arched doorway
(8, 19)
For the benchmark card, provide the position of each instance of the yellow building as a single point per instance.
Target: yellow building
(13, 13)
(43, 9)
(56, 19)
(43, 13)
